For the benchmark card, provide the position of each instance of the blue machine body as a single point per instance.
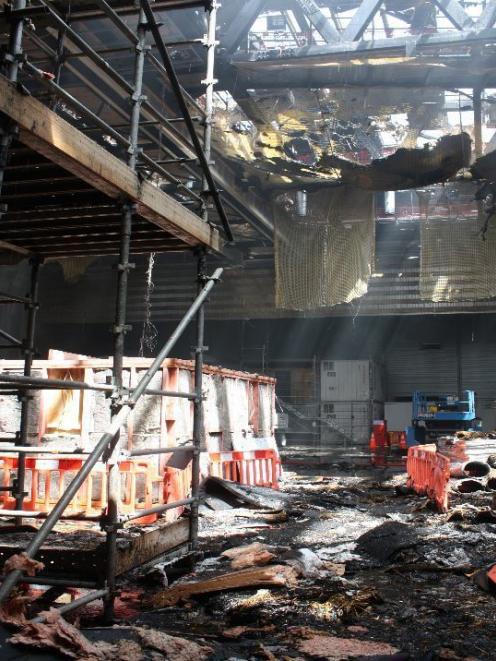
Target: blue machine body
(440, 415)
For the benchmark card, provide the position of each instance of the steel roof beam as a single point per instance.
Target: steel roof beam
(239, 28)
(319, 20)
(361, 20)
(453, 10)
(488, 16)
(393, 45)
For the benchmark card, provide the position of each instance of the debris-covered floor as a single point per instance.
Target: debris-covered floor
(342, 563)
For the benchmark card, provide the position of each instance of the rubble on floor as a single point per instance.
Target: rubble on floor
(360, 569)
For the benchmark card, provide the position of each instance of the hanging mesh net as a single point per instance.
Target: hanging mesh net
(457, 261)
(74, 268)
(324, 254)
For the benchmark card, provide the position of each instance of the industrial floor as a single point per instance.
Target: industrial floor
(378, 574)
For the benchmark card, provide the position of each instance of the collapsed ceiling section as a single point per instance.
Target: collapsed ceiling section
(373, 139)
(306, 83)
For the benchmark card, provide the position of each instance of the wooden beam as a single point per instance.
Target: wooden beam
(48, 134)
(162, 538)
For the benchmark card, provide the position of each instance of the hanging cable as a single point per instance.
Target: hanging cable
(149, 333)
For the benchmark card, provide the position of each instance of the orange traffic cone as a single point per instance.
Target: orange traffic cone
(372, 448)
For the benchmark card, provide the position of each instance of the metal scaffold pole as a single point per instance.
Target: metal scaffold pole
(209, 82)
(198, 408)
(25, 397)
(120, 328)
(12, 62)
(177, 89)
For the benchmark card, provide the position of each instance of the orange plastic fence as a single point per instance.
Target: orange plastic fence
(142, 486)
(177, 486)
(256, 467)
(491, 574)
(46, 480)
(429, 473)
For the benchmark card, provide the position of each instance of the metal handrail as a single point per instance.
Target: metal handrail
(94, 56)
(106, 128)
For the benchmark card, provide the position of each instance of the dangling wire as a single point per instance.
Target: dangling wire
(149, 332)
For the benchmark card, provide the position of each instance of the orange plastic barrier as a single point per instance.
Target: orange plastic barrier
(429, 473)
(255, 467)
(142, 486)
(491, 574)
(47, 479)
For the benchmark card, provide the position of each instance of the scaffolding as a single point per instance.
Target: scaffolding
(123, 400)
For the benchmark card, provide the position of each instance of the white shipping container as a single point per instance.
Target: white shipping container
(350, 380)
(398, 415)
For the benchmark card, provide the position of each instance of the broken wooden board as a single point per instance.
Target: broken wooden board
(272, 576)
(249, 555)
(79, 555)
